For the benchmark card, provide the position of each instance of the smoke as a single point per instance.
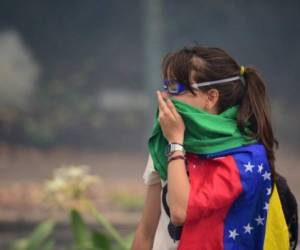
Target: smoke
(19, 71)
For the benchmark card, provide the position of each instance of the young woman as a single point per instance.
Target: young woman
(210, 172)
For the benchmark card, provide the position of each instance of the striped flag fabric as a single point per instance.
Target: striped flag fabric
(233, 204)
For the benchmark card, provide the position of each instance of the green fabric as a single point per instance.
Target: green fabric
(205, 133)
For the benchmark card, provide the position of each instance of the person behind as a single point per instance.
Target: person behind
(211, 169)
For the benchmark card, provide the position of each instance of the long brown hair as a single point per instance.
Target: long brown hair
(210, 64)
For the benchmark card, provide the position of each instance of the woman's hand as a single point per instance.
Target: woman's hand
(171, 122)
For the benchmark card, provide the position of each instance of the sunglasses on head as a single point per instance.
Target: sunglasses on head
(174, 87)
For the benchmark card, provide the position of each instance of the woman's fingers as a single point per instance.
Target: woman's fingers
(172, 108)
(163, 108)
(161, 103)
(170, 121)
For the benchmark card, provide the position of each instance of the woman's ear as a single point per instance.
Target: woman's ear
(212, 100)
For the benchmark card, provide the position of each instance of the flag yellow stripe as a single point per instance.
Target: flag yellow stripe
(277, 234)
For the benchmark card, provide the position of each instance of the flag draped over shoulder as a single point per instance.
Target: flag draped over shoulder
(232, 204)
(204, 133)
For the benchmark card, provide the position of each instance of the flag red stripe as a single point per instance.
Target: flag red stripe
(214, 186)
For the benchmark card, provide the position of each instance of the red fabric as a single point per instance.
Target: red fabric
(214, 186)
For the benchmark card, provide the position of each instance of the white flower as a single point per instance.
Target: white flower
(68, 186)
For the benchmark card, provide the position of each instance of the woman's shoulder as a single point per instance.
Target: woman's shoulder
(150, 175)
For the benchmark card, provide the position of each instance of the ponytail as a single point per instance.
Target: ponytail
(254, 108)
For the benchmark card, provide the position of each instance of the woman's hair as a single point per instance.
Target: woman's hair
(200, 64)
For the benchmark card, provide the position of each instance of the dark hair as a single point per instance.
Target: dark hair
(209, 64)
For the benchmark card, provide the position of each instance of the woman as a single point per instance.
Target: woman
(214, 187)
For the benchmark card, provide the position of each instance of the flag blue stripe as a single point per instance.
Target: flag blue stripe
(243, 229)
(249, 212)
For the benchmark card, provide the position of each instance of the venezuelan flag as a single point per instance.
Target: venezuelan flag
(233, 204)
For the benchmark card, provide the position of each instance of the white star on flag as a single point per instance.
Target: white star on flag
(267, 176)
(266, 207)
(248, 228)
(269, 190)
(260, 168)
(248, 167)
(259, 220)
(233, 234)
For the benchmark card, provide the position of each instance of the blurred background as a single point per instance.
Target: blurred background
(77, 85)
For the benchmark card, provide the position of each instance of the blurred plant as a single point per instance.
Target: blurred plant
(67, 191)
(39, 239)
(67, 188)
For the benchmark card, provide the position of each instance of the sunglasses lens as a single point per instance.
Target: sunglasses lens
(173, 87)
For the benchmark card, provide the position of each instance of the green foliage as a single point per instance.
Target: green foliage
(39, 239)
(84, 238)
(67, 181)
(129, 239)
(87, 239)
(101, 240)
